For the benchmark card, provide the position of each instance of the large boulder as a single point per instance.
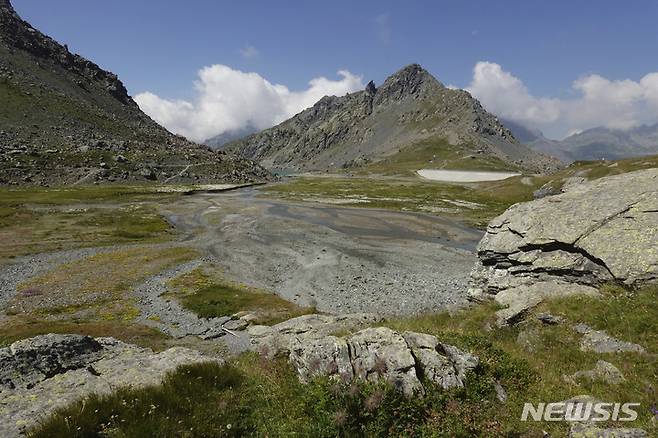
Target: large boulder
(315, 347)
(29, 361)
(275, 341)
(44, 373)
(598, 231)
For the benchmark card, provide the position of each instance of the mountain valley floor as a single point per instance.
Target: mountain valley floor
(182, 267)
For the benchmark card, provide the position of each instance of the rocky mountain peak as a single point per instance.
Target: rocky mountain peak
(370, 88)
(412, 73)
(410, 80)
(410, 107)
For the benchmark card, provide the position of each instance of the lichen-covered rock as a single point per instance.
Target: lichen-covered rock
(568, 244)
(47, 372)
(594, 232)
(603, 370)
(440, 363)
(29, 361)
(324, 356)
(517, 301)
(383, 353)
(276, 340)
(599, 341)
(314, 347)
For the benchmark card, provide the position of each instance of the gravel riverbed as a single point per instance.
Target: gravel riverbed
(337, 259)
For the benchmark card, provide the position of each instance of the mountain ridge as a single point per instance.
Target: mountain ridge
(370, 125)
(593, 144)
(65, 120)
(218, 141)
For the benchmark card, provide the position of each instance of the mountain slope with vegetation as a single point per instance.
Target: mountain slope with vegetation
(411, 110)
(63, 119)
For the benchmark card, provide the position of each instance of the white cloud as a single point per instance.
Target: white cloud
(506, 95)
(229, 99)
(617, 104)
(249, 52)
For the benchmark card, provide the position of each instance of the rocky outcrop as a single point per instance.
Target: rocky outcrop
(599, 231)
(440, 363)
(276, 340)
(402, 359)
(517, 301)
(28, 362)
(41, 374)
(599, 341)
(604, 371)
(409, 107)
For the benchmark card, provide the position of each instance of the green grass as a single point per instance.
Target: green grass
(82, 194)
(27, 231)
(251, 397)
(137, 223)
(592, 170)
(90, 296)
(410, 195)
(415, 194)
(209, 295)
(622, 313)
(629, 315)
(14, 329)
(257, 397)
(34, 220)
(435, 153)
(94, 287)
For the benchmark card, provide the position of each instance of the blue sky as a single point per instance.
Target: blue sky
(159, 46)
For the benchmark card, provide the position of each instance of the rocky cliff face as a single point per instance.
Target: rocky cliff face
(410, 106)
(63, 119)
